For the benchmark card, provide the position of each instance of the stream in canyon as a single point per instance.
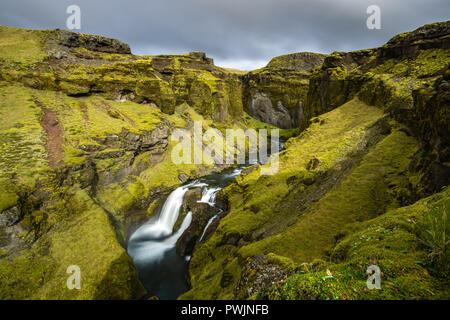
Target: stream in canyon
(152, 246)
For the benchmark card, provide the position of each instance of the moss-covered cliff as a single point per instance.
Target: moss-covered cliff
(85, 153)
(406, 78)
(276, 94)
(375, 141)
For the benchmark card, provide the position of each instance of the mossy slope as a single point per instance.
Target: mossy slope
(392, 241)
(40, 272)
(267, 213)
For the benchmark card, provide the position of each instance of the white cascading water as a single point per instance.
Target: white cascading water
(171, 210)
(154, 238)
(209, 195)
(207, 225)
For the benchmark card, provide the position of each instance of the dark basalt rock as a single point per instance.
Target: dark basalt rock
(183, 177)
(276, 93)
(429, 36)
(190, 199)
(256, 276)
(10, 217)
(91, 42)
(201, 213)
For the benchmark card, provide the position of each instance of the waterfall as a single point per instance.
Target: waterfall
(171, 210)
(153, 246)
(209, 195)
(207, 225)
(157, 236)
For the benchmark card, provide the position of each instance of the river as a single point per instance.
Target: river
(153, 245)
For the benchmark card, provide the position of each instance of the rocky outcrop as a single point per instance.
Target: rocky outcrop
(408, 44)
(116, 113)
(300, 62)
(431, 163)
(91, 42)
(329, 86)
(201, 214)
(276, 94)
(257, 275)
(10, 217)
(407, 78)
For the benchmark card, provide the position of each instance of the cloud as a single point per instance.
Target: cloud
(236, 33)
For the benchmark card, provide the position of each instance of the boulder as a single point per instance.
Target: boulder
(190, 199)
(10, 217)
(258, 274)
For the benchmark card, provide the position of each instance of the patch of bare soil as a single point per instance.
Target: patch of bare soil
(83, 108)
(54, 132)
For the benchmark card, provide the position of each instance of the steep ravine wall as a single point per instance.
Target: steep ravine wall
(408, 79)
(276, 94)
(289, 229)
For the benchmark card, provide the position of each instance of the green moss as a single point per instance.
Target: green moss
(165, 173)
(329, 143)
(283, 262)
(390, 241)
(19, 46)
(164, 80)
(255, 199)
(303, 61)
(40, 273)
(427, 63)
(144, 117)
(364, 194)
(22, 139)
(294, 216)
(391, 83)
(8, 198)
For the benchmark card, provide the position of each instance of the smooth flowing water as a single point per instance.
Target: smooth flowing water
(153, 246)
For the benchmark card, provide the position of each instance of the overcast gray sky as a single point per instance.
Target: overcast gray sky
(243, 34)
